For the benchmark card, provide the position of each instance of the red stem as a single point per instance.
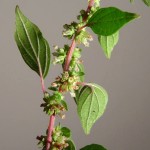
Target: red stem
(50, 130)
(52, 117)
(91, 3)
(42, 84)
(69, 55)
(73, 44)
(66, 68)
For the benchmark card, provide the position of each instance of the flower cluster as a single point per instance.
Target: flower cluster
(60, 139)
(70, 30)
(54, 104)
(67, 82)
(83, 37)
(60, 54)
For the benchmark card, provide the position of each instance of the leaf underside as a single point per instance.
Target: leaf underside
(147, 2)
(108, 43)
(32, 45)
(91, 105)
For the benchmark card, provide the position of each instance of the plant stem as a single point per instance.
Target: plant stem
(42, 84)
(50, 130)
(73, 44)
(52, 117)
(91, 3)
(69, 55)
(66, 68)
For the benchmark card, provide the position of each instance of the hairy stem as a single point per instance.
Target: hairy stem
(73, 44)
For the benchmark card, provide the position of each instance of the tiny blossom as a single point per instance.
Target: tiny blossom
(54, 84)
(72, 93)
(55, 47)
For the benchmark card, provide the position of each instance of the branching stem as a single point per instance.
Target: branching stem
(73, 44)
(66, 68)
(52, 117)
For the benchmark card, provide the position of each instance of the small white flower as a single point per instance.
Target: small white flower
(72, 93)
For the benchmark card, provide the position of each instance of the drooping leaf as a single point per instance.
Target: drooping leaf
(93, 147)
(91, 105)
(66, 132)
(147, 2)
(71, 145)
(32, 45)
(107, 21)
(108, 43)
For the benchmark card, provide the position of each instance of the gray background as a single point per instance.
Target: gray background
(126, 122)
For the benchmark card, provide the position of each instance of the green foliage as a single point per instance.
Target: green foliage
(66, 132)
(61, 139)
(108, 43)
(91, 104)
(32, 45)
(107, 21)
(71, 145)
(147, 2)
(91, 99)
(93, 147)
(54, 104)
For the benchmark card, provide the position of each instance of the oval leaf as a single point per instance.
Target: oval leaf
(71, 145)
(108, 43)
(107, 21)
(147, 2)
(91, 105)
(33, 47)
(66, 132)
(93, 147)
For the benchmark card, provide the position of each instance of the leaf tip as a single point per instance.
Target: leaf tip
(137, 16)
(17, 8)
(108, 57)
(86, 131)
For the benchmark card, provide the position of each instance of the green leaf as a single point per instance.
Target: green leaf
(107, 21)
(71, 145)
(93, 147)
(32, 45)
(64, 104)
(91, 105)
(81, 69)
(66, 132)
(147, 2)
(108, 43)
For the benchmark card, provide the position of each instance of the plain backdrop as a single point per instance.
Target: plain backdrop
(126, 76)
